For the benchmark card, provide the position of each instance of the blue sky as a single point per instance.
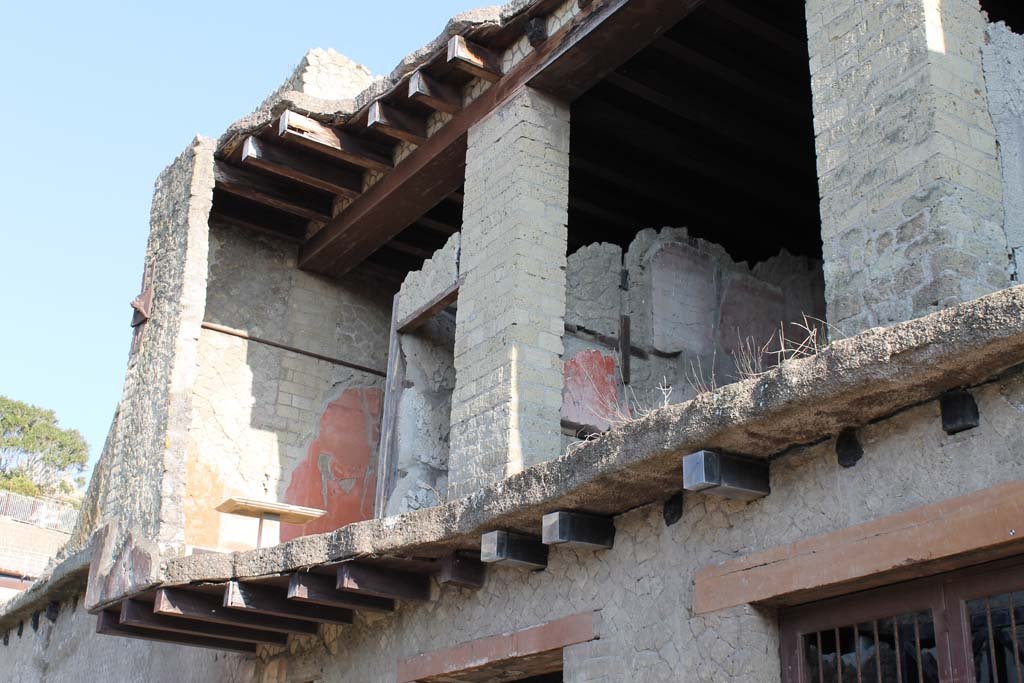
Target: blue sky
(97, 98)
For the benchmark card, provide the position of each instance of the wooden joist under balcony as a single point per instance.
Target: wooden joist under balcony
(238, 616)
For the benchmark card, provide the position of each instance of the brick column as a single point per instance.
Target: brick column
(907, 163)
(511, 307)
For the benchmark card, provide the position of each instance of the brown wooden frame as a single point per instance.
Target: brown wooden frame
(945, 595)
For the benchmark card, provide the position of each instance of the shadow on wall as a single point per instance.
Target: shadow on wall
(274, 424)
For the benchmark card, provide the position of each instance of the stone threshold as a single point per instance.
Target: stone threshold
(851, 382)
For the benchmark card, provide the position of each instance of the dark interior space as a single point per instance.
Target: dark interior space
(708, 128)
(1010, 11)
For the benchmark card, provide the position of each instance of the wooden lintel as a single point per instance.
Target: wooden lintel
(177, 602)
(301, 167)
(309, 204)
(434, 94)
(271, 602)
(396, 124)
(311, 134)
(383, 582)
(140, 614)
(473, 59)
(108, 624)
(322, 590)
(430, 309)
(600, 38)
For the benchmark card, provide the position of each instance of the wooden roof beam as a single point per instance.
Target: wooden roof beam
(272, 603)
(383, 582)
(473, 59)
(108, 623)
(750, 23)
(397, 124)
(599, 39)
(140, 614)
(311, 205)
(685, 54)
(311, 134)
(177, 602)
(302, 168)
(434, 94)
(320, 589)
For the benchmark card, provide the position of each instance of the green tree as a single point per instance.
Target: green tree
(37, 457)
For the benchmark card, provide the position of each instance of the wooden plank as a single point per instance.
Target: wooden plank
(434, 94)
(252, 507)
(430, 309)
(271, 602)
(177, 602)
(301, 167)
(140, 614)
(396, 124)
(321, 590)
(108, 624)
(625, 348)
(340, 144)
(597, 40)
(309, 204)
(393, 387)
(473, 59)
(383, 582)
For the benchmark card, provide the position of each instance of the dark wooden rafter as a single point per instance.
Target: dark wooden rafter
(140, 615)
(730, 125)
(108, 623)
(686, 55)
(433, 93)
(383, 582)
(309, 204)
(596, 41)
(230, 209)
(301, 167)
(311, 134)
(473, 59)
(765, 30)
(271, 602)
(321, 589)
(396, 124)
(178, 602)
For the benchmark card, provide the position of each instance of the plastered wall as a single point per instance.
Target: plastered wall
(643, 585)
(692, 311)
(273, 424)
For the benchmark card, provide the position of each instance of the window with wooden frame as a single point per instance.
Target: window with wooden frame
(962, 626)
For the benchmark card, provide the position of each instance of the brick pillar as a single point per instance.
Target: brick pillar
(909, 178)
(511, 308)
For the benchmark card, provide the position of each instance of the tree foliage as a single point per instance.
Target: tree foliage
(37, 457)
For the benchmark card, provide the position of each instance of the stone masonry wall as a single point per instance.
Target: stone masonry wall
(1004, 75)
(273, 424)
(508, 342)
(907, 162)
(693, 311)
(423, 431)
(137, 487)
(439, 273)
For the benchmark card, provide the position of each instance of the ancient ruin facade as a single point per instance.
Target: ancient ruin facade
(609, 340)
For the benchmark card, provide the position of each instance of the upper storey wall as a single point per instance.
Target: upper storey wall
(276, 424)
(911, 187)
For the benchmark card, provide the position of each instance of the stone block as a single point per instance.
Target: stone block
(684, 298)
